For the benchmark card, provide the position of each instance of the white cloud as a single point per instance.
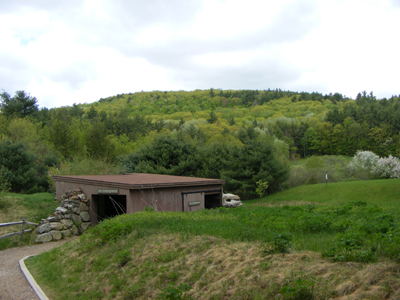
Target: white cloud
(81, 51)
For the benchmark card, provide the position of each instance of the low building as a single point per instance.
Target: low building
(111, 195)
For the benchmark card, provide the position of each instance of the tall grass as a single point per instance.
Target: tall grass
(34, 207)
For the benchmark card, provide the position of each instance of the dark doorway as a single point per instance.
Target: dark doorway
(109, 206)
(212, 200)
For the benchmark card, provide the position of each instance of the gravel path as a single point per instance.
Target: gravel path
(13, 284)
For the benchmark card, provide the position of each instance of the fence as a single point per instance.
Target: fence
(23, 222)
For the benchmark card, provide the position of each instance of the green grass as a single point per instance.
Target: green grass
(222, 252)
(354, 208)
(34, 207)
(384, 192)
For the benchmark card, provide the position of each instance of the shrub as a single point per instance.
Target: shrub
(364, 160)
(388, 167)
(149, 209)
(315, 223)
(312, 180)
(336, 255)
(124, 257)
(17, 166)
(261, 187)
(277, 243)
(298, 289)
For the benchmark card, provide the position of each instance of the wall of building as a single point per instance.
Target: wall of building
(163, 199)
(88, 190)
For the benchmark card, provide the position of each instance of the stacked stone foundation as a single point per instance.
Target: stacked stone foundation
(70, 218)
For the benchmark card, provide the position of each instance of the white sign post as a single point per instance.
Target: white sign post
(326, 177)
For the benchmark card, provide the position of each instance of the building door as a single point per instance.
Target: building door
(109, 206)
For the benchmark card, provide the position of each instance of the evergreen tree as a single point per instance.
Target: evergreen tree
(20, 105)
(17, 166)
(212, 118)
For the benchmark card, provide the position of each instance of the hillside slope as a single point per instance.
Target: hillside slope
(342, 248)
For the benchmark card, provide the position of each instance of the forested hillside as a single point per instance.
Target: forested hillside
(245, 136)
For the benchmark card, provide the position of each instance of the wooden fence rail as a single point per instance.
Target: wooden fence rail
(23, 222)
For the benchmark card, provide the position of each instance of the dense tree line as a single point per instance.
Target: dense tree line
(197, 133)
(241, 166)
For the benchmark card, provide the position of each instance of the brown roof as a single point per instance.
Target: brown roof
(138, 180)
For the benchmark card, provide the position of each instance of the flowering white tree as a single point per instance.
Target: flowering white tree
(364, 160)
(387, 167)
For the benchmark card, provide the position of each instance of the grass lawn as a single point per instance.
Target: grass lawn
(383, 192)
(340, 241)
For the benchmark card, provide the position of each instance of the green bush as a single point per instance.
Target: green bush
(298, 289)
(123, 257)
(18, 167)
(338, 255)
(277, 243)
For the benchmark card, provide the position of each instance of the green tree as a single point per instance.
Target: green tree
(92, 113)
(61, 133)
(76, 111)
(339, 140)
(98, 143)
(17, 166)
(212, 118)
(251, 163)
(324, 131)
(310, 141)
(164, 155)
(20, 105)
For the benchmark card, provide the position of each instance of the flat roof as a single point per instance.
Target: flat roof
(138, 181)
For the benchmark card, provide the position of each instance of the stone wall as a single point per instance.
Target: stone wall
(70, 218)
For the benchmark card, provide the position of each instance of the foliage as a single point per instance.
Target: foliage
(261, 187)
(212, 118)
(277, 243)
(149, 209)
(364, 159)
(61, 134)
(123, 257)
(213, 128)
(250, 163)
(312, 170)
(163, 155)
(86, 166)
(98, 143)
(298, 289)
(241, 166)
(32, 206)
(388, 167)
(20, 105)
(18, 167)
(5, 187)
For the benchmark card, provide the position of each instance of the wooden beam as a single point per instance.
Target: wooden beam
(14, 233)
(12, 223)
(17, 223)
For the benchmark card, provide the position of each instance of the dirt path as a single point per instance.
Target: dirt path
(13, 284)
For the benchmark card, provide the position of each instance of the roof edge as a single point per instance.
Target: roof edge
(59, 178)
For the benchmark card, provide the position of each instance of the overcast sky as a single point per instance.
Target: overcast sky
(77, 51)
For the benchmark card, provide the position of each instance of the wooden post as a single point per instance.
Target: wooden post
(326, 177)
(23, 227)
